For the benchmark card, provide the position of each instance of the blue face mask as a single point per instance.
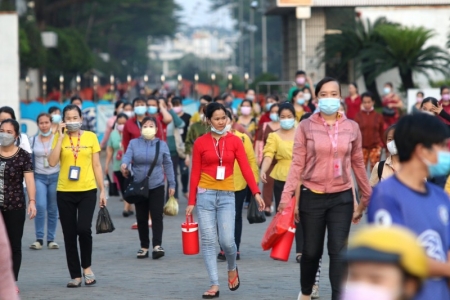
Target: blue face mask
(287, 124)
(56, 119)
(220, 132)
(386, 90)
(268, 106)
(329, 106)
(442, 166)
(45, 134)
(300, 101)
(274, 117)
(152, 110)
(140, 110)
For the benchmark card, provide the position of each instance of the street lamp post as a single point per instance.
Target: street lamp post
(129, 86)
(28, 86)
(78, 80)
(196, 85)
(111, 81)
(253, 7)
(213, 79)
(163, 79)
(61, 88)
(230, 81)
(95, 82)
(44, 88)
(179, 86)
(246, 77)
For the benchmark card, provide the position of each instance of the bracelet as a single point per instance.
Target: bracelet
(31, 200)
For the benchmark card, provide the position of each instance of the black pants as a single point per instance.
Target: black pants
(76, 210)
(175, 162)
(278, 187)
(184, 172)
(154, 204)
(248, 196)
(14, 222)
(318, 213)
(123, 182)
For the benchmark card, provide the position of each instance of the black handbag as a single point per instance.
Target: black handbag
(388, 112)
(253, 213)
(104, 222)
(113, 190)
(138, 191)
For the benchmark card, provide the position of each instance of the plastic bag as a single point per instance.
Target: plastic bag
(113, 190)
(253, 213)
(104, 222)
(279, 225)
(171, 207)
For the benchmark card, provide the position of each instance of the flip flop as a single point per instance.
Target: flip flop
(211, 294)
(89, 277)
(231, 282)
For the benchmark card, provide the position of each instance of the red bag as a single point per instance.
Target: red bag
(279, 225)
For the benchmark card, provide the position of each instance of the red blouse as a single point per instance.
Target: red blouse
(353, 106)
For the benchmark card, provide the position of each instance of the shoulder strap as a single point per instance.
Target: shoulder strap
(380, 169)
(155, 160)
(32, 152)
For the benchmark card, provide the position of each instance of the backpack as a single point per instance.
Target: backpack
(380, 169)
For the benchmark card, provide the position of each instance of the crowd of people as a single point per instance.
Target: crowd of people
(314, 149)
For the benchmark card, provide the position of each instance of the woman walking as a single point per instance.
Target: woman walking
(15, 166)
(212, 189)
(45, 178)
(386, 168)
(326, 147)
(141, 154)
(77, 152)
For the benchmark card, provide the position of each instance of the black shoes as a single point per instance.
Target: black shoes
(158, 252)
(127, 213)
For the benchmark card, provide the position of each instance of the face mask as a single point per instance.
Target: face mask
(177, 109)
(364, 291)
(152, 110)
(228, 127)
(274, 117)
(120, 127)
(56, 119)
(74, 126)
(442, 167)
(129, 114)
(386, 90)
(246, 110)
(392, 148)
(220, 132)
(6, 139)
(446, 97)
(368, 110)
(202, 117)
(300, 101)
(250, 97)
(307, 96)
(148, 132)
(419, 100)
(45, 134)
(140, 110)
(287, 123)
(300, 80)
(329, 106)
(268, 106)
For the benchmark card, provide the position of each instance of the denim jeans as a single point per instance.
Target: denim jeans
(319, 213)
(46, 203)
(216, 214)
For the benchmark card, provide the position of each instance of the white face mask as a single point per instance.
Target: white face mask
(307, 96)
(392, 148)
(364, 291)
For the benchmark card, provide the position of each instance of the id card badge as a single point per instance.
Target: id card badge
(220, 173)
(74, 173)
(46, 165)
(337, 168)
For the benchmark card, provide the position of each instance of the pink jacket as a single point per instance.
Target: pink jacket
(312, 162)
(7, 282)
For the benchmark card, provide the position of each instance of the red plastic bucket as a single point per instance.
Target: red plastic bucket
(189, 235)
(282, 247)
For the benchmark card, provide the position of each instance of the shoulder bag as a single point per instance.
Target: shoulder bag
(138, 191)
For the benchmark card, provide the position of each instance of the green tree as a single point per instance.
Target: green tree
(404, 48)
(342, 49)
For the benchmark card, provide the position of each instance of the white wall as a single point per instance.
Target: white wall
(9, 61)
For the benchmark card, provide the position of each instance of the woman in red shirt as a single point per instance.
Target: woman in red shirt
(353, 101)
(212, 190)
(392, 104)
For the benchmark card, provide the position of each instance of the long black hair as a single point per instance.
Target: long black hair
(16, 127)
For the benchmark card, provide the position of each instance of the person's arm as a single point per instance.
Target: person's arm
(444, 115)
(126, 135)
(399, 102)
(244, 165)
(98, 173)
(166, 117)
(109, 155)
(7, 284)
(357, 161)
(25, 143)
(195, 172)
(106, 135)
(381, 129)
(55, 154)
(437, 268)
(311, 86)
(251, 157)
(31, 191)
(177, 121)
(268, 153)
(127, 158)
(168, 166)
(373, 181)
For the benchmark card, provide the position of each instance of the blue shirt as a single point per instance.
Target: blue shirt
(141, 153)
(426, 214)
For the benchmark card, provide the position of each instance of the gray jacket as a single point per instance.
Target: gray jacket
(139, 157)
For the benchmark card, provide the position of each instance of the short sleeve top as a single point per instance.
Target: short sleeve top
(281, 150)
(115, 142)
(12, 171)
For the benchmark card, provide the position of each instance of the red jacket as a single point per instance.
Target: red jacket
(353, 106)
(447, 110)
(132, 130)
(387, 119)
(371, 125)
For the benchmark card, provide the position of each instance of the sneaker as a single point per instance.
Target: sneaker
(315, 292)
(158, 252)
(52, 245)
(221, 256)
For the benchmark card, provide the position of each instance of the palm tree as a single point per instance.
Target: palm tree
(404, 48)
(348, 45)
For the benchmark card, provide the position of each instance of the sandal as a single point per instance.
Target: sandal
(142, 253)
(298, 258)
(74, 283)
(211, 294)
(53, 245)
(89, 277)
(231, 282)
(36, 246)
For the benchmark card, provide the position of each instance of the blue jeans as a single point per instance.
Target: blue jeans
(216, 213)
(46, 203)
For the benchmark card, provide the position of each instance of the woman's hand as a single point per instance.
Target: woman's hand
(357, 214)
(31, 211)
(171, 192)
(61, 128)
(437, 109)
(124, 170)
(263, 177)
(297, 215)
(102, 202)
(189, 210)
(106, 170)
(260, 202)
(187, 161)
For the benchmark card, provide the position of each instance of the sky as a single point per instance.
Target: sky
(197, 13)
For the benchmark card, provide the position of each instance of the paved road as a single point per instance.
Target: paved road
(121, 276)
